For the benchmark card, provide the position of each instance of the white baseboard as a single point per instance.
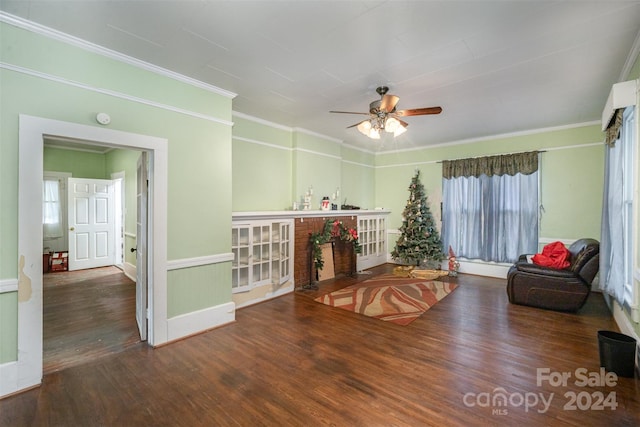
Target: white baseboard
(478, 268)
(199, 321)
(269, 295)
(8, 378)
(129, 270)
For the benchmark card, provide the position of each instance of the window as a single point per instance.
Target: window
(51, 209)
(616, 246)
(490, 207)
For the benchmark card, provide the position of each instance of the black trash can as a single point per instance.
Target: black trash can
(617, 353)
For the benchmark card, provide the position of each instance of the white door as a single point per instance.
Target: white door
(141, 245)
(91, 223)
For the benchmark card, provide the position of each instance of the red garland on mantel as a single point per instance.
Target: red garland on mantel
(332, 229)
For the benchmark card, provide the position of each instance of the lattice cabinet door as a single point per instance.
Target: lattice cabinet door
(240, 244)
(281, 251)
(261, 254)
(372, 235)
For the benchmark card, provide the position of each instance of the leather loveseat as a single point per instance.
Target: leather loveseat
(563, 290)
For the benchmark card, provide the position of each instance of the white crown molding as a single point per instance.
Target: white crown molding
(91, 47)
(318, 135)
(631, 59)
(492, 137)
(262, 121)
(34, 73)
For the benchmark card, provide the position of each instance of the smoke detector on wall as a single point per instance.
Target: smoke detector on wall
(103, 118)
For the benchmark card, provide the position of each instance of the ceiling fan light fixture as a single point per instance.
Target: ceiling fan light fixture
(374, 133)
(364, 127)
(392, 124)
(401, 129)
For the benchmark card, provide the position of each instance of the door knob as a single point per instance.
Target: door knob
(134, 249)
(72, 228)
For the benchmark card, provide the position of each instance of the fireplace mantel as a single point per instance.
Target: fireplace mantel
(244, 216)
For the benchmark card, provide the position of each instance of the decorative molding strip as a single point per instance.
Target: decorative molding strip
(109, 92)
(631, 59)
(280, 147)
(91, 47)
(564, 147)
(177, 264)
(397, 165)
(319, 135)
(8, 285)
(498, 136)
(266, 144)
(304, 150)
(358, 164)
(200, 321)
(262, 121)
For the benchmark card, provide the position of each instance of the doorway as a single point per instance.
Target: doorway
(89, 308)
(27, 371)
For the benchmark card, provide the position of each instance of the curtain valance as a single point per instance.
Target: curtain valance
(506, 164)
(613, 130)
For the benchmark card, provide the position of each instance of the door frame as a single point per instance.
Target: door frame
(32, 131)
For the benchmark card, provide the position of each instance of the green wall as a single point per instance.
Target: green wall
(199, 152)
(274, 166)
(81, 164)
(571, 174)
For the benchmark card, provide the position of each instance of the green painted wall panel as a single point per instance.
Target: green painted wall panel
(8, 327)
(261, 177)
(80, 164)
(197, 288)
(256, 131)
(126, 161)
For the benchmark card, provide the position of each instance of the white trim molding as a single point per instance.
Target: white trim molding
(8, 285)
(8, 378)
(177, 264)
(91, 47)
(200, 321)
(112, 93)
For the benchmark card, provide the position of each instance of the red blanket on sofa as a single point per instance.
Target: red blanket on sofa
(554, 255)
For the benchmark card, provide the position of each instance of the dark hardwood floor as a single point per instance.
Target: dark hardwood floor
(294, 362)
(87, 314)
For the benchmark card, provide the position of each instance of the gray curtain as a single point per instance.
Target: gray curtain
(490, 207)
(612, 230)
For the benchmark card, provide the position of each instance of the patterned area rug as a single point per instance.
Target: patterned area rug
(389, 297)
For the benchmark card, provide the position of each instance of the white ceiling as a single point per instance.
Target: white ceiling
(494, 67)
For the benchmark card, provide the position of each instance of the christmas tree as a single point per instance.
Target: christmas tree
(420, 240)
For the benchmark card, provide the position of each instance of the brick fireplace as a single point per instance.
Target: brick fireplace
(344, 258)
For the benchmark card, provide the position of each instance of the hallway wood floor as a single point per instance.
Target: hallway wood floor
(87, 314)
(294, 362)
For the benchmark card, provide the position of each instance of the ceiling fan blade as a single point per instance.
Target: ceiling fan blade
(402, 122)
(352, 126)
(348, 112)
(388, 103)
(419, 111)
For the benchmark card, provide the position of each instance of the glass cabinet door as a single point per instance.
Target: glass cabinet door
(281, 255)
(240, 263)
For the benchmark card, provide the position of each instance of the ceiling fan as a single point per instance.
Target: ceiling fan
(384, 116)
